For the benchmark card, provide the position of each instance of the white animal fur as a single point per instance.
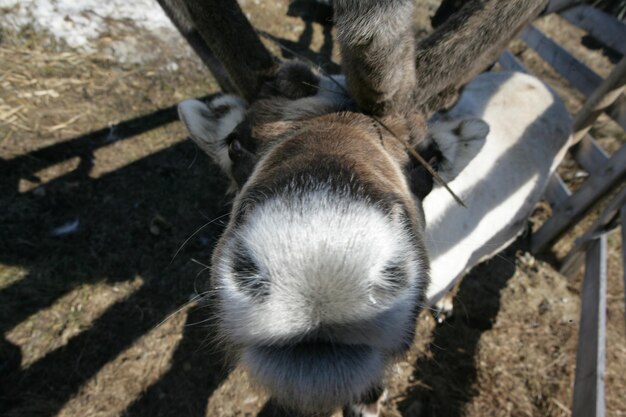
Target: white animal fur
(325, 254)
(529, 131)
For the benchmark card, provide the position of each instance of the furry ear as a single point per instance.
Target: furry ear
(210, 124)
(458, 141)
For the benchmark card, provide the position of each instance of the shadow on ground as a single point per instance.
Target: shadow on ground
(115, 242)
(451, 363)
(130, 224)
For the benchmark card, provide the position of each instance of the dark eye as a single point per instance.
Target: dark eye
(248, 275)
(234, 150)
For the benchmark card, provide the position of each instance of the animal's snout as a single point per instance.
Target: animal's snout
(319, 278)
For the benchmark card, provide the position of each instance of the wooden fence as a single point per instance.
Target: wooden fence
(607, 174)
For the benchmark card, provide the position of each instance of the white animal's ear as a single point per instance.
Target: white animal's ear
(458, 141)
(210, 124)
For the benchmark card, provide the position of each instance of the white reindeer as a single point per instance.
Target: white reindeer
(500, 179)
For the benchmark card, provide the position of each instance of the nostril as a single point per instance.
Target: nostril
(395, 276)
(248, 275)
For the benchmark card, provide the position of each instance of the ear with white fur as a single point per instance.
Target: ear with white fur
(458, 141)
(210, 124)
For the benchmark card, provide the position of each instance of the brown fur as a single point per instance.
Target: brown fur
(372, 153)
(385, 71)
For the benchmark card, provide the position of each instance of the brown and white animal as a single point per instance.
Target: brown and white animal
(324, 264)
(322, 268)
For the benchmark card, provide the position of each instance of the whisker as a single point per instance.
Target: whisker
(321, 88)
(199, 263)
(195, 156)
(205, 267)
(184, 306)
(195, 233)
(207, 320)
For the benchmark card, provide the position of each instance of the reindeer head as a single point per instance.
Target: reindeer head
(322, 268)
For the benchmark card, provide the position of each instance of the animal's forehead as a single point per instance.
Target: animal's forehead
(337, 176)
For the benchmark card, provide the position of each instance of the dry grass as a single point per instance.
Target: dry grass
(79, 312)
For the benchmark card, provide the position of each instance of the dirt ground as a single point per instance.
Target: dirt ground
(99, 189)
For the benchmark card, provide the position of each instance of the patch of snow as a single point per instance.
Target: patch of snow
(81, 22)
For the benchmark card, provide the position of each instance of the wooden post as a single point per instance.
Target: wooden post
(600, 100)
(568, 213)
(509, 62)
(603, 224)
(589, 155)
(605, 28)
(568, 66)
(556, 6)
(557, 191)
(589, 381)
(231, 37)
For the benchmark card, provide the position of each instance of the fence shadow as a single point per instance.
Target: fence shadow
(450, 372)
(114, 243)
(177, 190)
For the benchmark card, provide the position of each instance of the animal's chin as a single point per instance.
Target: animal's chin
(316, 376)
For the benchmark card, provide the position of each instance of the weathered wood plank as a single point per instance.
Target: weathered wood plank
(556, 191)
(590, 359)
(509, 62)
(601, 98)
(589, 155)
(604, 223)
(603, 27)
(613, 172)
(617, 111)
(623, 227)
(555, 6)
(574, 71)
